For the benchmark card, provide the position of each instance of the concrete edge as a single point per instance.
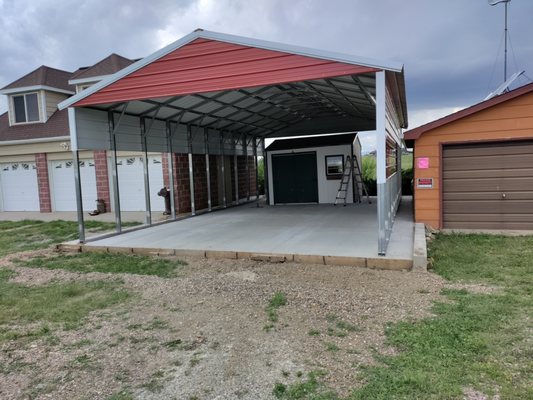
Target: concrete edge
(361, 262)
(420, 253)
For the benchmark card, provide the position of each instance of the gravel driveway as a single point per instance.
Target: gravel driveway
(206, 335)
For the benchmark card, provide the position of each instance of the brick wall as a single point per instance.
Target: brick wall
(45, 201)
(244, 189)
(181, 180)
(102, 177)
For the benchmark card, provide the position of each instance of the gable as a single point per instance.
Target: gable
(205, 65)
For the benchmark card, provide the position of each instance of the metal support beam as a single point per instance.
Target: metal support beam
(207, 170)
(170, 163)
(77, 176)
(236, 170)
(256, 172)
(114, 168)
(222, 170)
(191, 170)
(245, 152)
(381, 160)
(146, 176)
(265, 171)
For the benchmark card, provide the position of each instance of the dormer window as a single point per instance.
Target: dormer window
(26, 108)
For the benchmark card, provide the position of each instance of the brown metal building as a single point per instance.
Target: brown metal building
(474, 169)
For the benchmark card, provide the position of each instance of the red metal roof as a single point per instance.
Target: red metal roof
(205, 65)
(414, 134)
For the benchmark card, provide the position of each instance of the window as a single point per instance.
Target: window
(334, 165)
(26, 108)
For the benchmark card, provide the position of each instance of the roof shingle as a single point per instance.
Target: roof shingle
(44, 76)
(107, 66)
(57, 125)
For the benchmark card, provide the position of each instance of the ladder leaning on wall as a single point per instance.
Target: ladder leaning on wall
(351, 171)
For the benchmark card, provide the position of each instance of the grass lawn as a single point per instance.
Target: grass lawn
(16, 236)
(106, 262)
(30, 312)
(480, 341)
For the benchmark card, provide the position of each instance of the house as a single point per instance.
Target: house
(36, 171)
(309, 170)
(473, 169)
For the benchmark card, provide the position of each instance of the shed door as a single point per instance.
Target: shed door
(488, 186)
(295, 178)
(19, 189)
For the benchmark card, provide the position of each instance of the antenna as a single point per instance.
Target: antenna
(504, 87)
(506, 2)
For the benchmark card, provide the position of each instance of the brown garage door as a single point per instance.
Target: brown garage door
(488, 186)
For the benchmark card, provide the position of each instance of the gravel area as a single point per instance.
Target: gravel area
(205, 334)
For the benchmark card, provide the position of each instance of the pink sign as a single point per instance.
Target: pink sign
(422, 162)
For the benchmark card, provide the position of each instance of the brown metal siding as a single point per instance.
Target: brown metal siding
(488, 185)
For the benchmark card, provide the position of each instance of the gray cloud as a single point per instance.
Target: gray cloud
(449, 48)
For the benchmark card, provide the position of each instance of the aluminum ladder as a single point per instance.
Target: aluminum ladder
(351, 171)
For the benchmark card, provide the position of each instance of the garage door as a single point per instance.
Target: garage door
(20, 191)
(488, 186)
(295, 178)
(131, 183)
(63, 189)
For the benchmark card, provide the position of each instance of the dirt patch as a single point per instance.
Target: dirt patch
(206, 334)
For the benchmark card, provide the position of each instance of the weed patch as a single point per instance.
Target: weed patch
(278, 300)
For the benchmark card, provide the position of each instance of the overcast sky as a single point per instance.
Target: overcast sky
(452, 49)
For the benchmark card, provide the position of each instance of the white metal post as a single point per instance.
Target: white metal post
(191, 170)
(223, 169)
(77, 176)
(256, 172)
(265, 172)
(146, 176)
(235, 170)
(381, 170)
(207, 169)
(171, 170)
(114, 171)
(245, 152)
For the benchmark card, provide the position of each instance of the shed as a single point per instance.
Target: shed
(474, 169)
(309, 169)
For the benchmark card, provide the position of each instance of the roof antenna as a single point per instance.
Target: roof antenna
(506, 2)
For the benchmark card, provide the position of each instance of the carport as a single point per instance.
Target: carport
(211, 94)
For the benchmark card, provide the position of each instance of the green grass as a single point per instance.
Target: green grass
(278, 300)
(121, 395)
(56, 303)
(474, 340)
(16, 236)
(108, 263)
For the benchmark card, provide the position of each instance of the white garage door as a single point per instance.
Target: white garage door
(20, 191)
(131, 183)
(62, 185)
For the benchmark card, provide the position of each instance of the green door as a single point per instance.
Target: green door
(295, 178)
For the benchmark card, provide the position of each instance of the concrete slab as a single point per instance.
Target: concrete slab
(309, 232)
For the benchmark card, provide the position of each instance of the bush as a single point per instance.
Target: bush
(261, 176)
(369, 176)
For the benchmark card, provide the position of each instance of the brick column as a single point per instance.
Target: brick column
(243, 181)
(213, 172)
(181, 183)
(102, 177)
(45, 201)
